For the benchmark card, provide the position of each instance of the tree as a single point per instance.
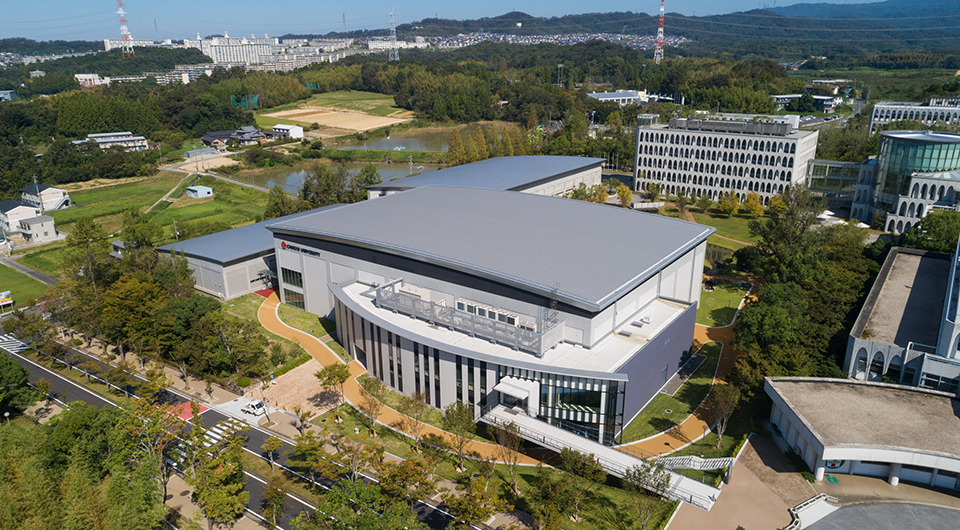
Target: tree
(753, 204)
(481, 143)
(624, 194)
(470, 150)
(303, 417)
(720, 404)
(648, 482)
(406, 480)
(370, 403)
(456, 155)
(414, 409)
(937, 231)
(217, 482)
(307, 452)
(279, 204)
(15, 391)
(458, 420)
(585, 473)
(231, 344)
(653, 191)
(548, 499)
(355, 505)
(138, 232)
(332, 377)
(804, 103)
(274, 498)
(508, 450)
(270, 448)
(704, 203)
(474, 504)
(682, 201)
(729, 203)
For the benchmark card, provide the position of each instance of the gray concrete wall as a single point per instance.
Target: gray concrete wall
(656, 362)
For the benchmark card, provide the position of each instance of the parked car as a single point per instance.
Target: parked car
(256, 408)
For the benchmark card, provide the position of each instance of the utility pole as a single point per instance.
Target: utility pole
(411, 164)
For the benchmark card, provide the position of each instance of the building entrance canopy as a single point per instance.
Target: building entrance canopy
(517, 388)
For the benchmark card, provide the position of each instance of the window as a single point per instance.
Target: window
(292, 278)
(293, 298)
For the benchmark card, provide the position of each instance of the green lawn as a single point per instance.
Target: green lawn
(21, 286)
(654, 419)
(46, 261)
(717, 307)
(599, 512)
(351, 100)
(725, 243)
(108, 200)
(734, 227)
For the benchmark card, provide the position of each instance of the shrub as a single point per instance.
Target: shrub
(243, 381)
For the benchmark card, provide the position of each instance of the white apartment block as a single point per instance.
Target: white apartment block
(712, 157)
(228, 49)
(941, 109)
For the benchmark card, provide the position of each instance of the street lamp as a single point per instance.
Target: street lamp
(7, 415)
(702, 440)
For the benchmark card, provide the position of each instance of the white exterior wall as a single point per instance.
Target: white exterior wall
(889, 112)
(11, 219)
(672, 158)
(590, 177)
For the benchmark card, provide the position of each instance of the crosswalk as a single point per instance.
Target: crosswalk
(225, 429)
(12, 344)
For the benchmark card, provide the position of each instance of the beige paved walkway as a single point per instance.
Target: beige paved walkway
(352, 390)
(855, 489)
(761, 490)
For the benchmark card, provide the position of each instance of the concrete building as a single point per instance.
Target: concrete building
(542, 175)
(12, 212)
(575, 313)
(91, 80)
(109, 44)
(836, 183)
(199, 192)
(823, 103)
(840, 426)
(228, 49)
(231, 263)
(915, 172)
(38, 229)
(9, 95)
(288, 131)
(711, 157)
(46, 198)
(623, 97)
(907, 331)
(126, 140)
(946, 110)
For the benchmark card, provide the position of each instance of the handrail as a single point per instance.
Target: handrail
(675, 491)
(795, 511)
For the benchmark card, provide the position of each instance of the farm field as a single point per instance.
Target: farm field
(338, 113)
(232, 205)
(339, 120)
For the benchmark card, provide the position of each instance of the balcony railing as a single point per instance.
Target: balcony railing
(500, 332)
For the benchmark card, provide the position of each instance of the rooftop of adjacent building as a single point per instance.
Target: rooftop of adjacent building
(849, 412)
(751, 128)
(588, 254)
(10, 204)
(234, 244)
(908, 302)
(566, 358)
(499, 173)
(923, 136)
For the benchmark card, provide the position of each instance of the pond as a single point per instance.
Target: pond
(413, 140)
(291, 178)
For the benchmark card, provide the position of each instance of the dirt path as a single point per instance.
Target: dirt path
(352, 390)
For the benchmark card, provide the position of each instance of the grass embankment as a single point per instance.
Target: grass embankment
(21, 286)
(735, 227)
(718, 307)
(654, 418)
(232, 204)
(600, 512)
(385, 155)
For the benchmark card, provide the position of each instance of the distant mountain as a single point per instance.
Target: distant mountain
(897, 13)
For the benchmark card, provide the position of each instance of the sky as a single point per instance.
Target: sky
(178, 19)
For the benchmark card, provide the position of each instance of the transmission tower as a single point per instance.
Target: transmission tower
(126, 42)
(394, 51)
(658, 51)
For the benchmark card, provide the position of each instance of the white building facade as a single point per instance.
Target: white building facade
(712, 157)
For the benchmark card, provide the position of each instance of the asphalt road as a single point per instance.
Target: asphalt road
(65, 390)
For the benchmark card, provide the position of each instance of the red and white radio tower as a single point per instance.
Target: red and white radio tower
(658, 50)
(126, 42)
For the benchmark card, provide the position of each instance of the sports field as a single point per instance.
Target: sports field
(339, 120)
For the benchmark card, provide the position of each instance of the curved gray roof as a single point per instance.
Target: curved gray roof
(924, 136)
(500, 173)
(234, 244)
(594, 253)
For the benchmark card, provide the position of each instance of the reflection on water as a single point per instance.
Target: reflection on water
(291, 178)
(415, 140)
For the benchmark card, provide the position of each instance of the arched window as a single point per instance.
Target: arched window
(903, 208)
(920, 210)
(900, 226)
(916, 190)
(923, 192)
(890, 227)
(911, 210)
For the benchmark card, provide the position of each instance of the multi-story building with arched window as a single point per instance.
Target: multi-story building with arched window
(712, 157)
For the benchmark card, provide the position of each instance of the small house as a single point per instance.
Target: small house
(12, 212)
(47, 198)
(199, 192)
(38, 229)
